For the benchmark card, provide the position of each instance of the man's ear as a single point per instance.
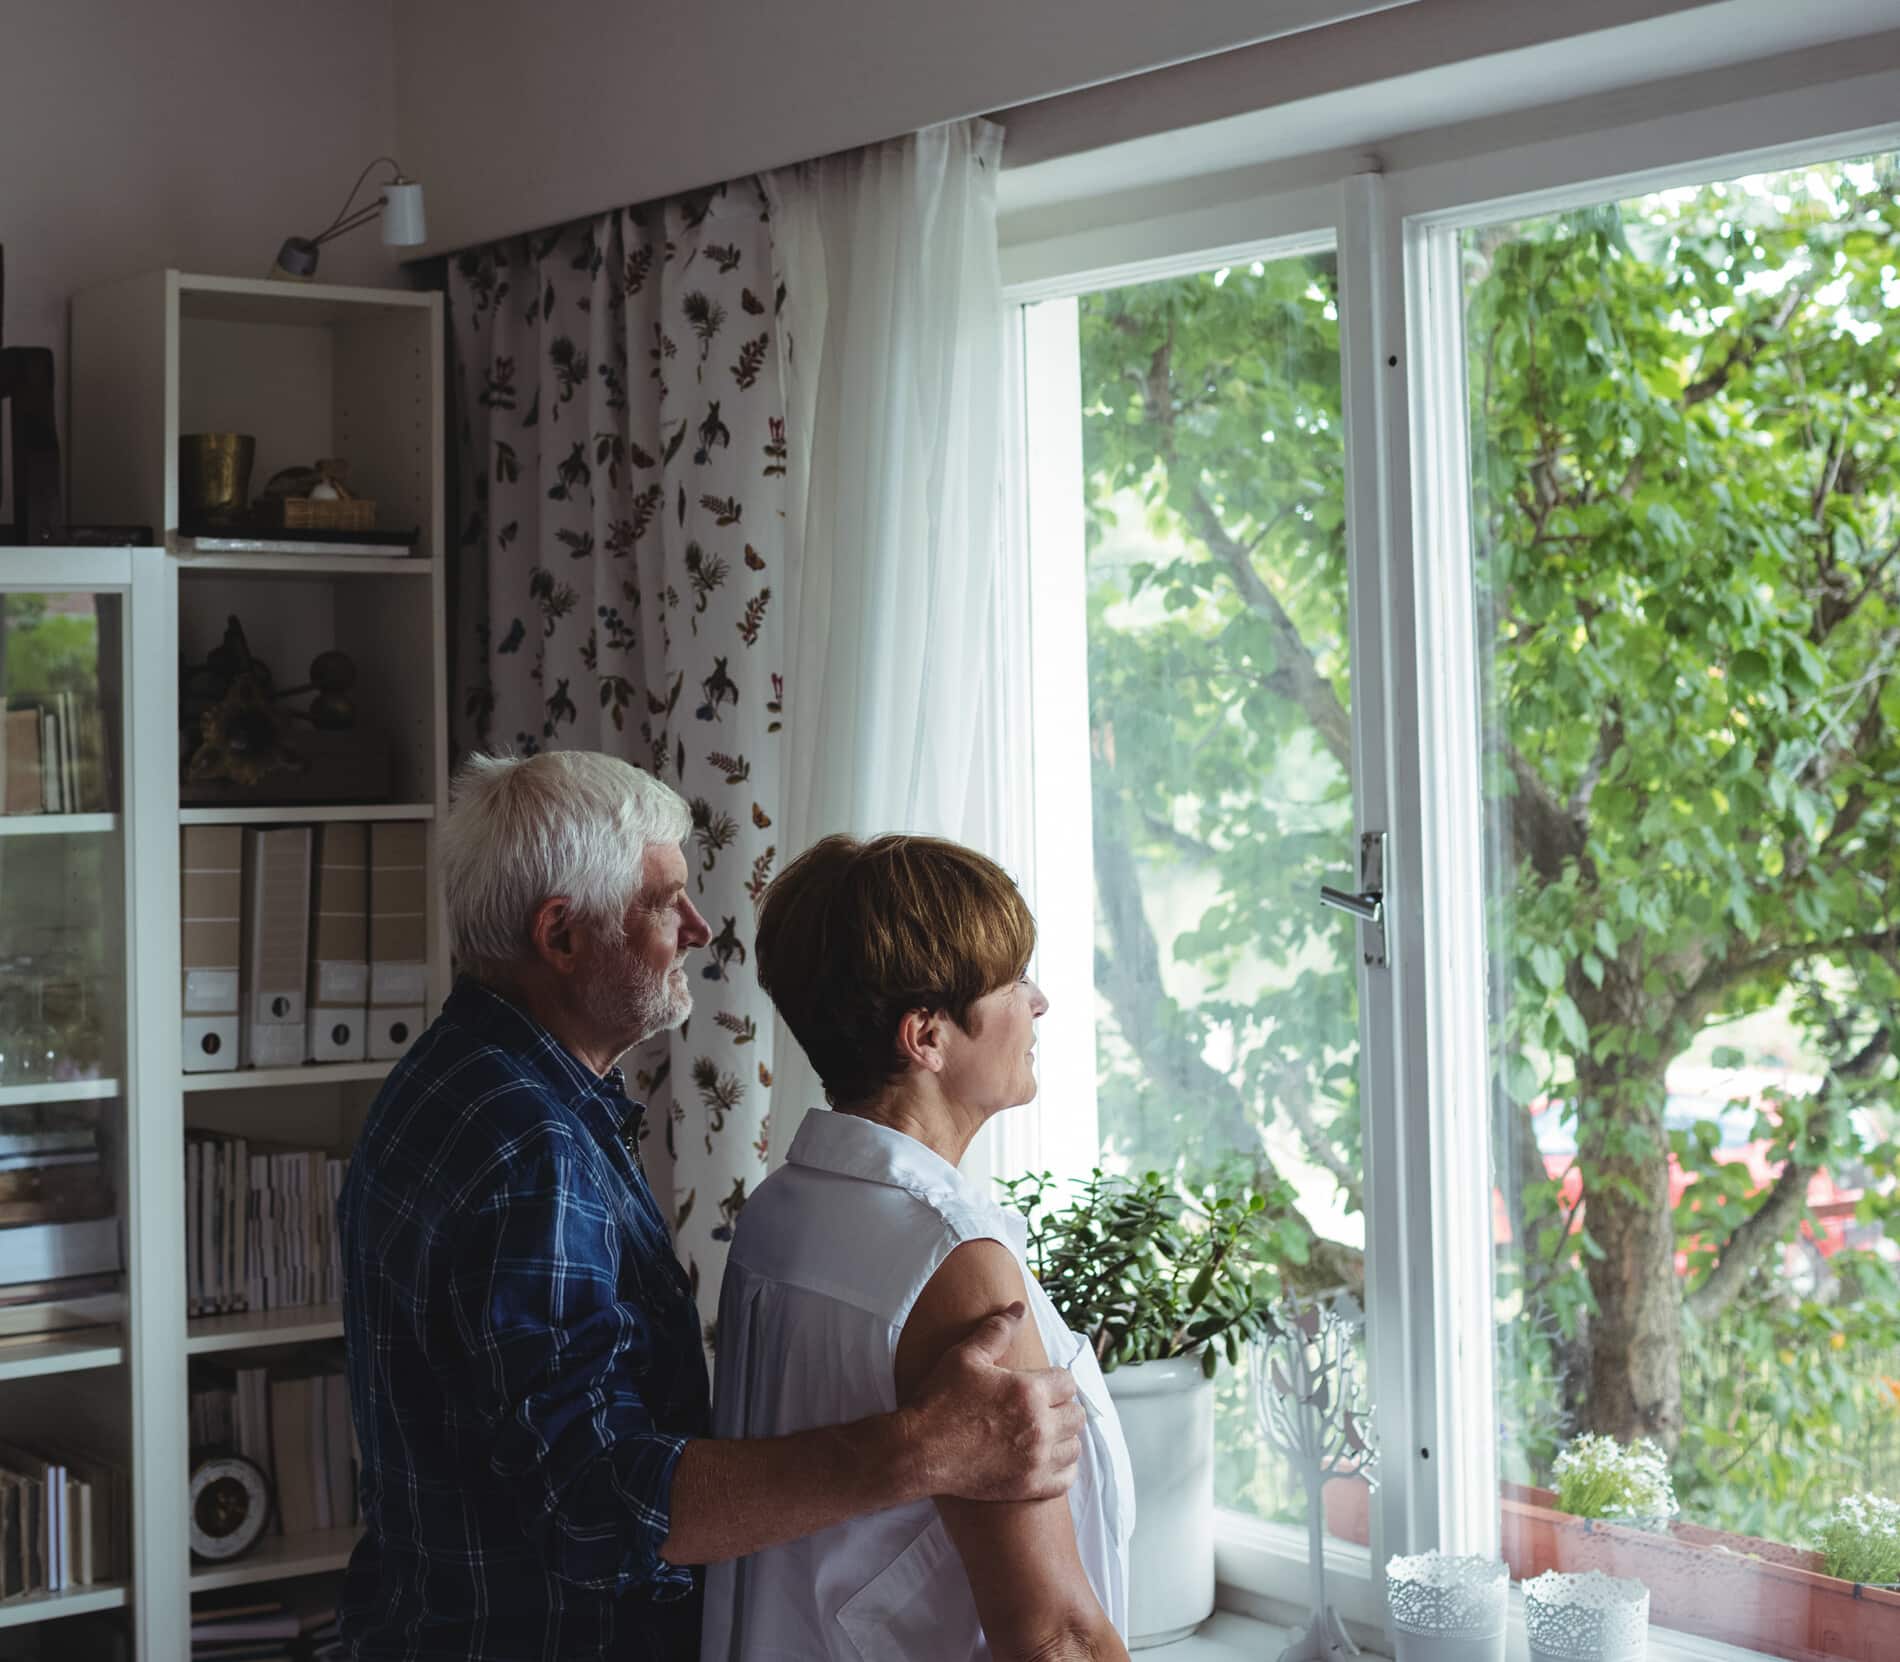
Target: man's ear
(556, 934)
(920, 1039)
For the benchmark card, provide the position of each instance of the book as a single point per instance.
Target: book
(47, 1251)
(23, 1323)
(384, 544)
(21, 732)
(54, 1193)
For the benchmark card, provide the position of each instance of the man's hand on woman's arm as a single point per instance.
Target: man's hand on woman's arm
(1025, 1571)
(976, 1427)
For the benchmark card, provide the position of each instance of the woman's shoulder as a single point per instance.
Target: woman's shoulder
(872, 1244)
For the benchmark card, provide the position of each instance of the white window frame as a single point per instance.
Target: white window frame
(1394, 220)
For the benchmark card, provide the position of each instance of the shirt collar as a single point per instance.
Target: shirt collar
(498, 1020)
(852, 1146)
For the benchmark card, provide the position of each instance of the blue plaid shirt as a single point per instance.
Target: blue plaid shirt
(524, 1360)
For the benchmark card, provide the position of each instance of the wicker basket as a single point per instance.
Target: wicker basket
(304, 513)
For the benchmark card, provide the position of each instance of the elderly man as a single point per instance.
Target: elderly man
(525, 1367)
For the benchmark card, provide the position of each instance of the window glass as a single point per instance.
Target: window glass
(1685, 424)
(1219, 698)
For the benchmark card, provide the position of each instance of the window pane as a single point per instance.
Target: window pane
(1226, 1006)
(1686, 506)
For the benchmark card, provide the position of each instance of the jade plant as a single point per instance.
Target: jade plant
(1146, 1272)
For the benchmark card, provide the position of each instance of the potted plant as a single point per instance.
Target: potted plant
(1860, 1541)
(1598, 1477)
(1161, 1285)
(1761, 1596)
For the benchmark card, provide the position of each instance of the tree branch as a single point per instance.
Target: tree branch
(1752, 1239)
(1295, 676)
(1129, 975)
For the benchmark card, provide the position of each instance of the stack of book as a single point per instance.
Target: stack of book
(292, 1420)
(53, 756)
(260, 1226)
(59, 1240)
(234, 1628)
(64, 1520)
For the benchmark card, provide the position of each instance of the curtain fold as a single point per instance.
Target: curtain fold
(893, 342)
(729, 469)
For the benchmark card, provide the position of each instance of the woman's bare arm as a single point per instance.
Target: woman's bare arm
(1032, 1593)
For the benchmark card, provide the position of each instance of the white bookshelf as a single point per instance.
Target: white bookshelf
(73, 1351)
(59, 1090)
(76, 1601)
(311, 370)
(311, 1073)
(308, 814)
(280, 1558)
(57, 825)
(207, 1335)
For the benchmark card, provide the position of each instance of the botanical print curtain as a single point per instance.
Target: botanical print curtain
(623, 502)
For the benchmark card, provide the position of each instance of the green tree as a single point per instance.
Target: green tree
(1686, 441)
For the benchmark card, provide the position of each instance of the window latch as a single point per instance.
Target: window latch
(1368, 905)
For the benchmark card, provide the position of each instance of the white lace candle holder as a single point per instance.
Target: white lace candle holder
(1586, 1618)
(1447, 1608)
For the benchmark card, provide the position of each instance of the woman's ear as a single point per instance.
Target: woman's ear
(920, 1039)
(556, 934)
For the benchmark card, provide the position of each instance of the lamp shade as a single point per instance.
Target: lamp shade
(403, 223)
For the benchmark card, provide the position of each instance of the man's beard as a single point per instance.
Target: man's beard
(629, 1002)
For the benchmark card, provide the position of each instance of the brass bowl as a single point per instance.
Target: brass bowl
(214, 476)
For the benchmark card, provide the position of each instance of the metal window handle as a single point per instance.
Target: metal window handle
(1367, 908)
(1368, 905)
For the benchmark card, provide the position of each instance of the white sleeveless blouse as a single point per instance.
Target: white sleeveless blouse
(828, 1258)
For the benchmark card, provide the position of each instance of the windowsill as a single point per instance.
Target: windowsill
(1263, 1583)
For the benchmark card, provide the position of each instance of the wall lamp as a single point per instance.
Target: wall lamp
(403, 224)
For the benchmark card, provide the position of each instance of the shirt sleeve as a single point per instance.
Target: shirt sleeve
(551, 1360)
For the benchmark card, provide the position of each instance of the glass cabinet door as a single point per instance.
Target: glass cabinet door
(63, 968)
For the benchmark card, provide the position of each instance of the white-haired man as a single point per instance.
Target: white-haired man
(526, 1376)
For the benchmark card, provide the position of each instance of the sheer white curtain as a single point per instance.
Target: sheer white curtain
(892, 337)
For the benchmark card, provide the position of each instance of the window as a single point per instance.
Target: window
(1685, 510)
(1617, 1139)
(1225, 1034)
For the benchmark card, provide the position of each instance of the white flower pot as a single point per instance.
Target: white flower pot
(1167, 1414)
(1586, 1618)
(1447, 1608)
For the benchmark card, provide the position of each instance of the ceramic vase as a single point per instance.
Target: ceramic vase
(1167, 1414)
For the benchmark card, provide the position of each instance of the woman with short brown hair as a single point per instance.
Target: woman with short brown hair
(900, 964)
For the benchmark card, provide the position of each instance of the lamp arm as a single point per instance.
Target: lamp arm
(362, 216)
(336, 225)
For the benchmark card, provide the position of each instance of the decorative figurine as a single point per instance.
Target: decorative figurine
(1312, 1407)
(233, 727)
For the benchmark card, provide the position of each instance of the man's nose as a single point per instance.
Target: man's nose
(697, 932)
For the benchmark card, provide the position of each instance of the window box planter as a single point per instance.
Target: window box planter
(1757, 1594)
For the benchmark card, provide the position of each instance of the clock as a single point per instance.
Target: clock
(230, 1505)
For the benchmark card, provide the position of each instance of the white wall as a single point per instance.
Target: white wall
(136, 134)
(518, 115)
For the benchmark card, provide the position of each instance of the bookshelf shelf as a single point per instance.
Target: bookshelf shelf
(207, 1334)
(76, 1601)
(68, 1352)
(265, 1079)
(280, 1558)
(59, 1090)
(307, 565)
(307, 814)
(57, 825)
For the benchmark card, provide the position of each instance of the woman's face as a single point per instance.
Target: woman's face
(992, 1066)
